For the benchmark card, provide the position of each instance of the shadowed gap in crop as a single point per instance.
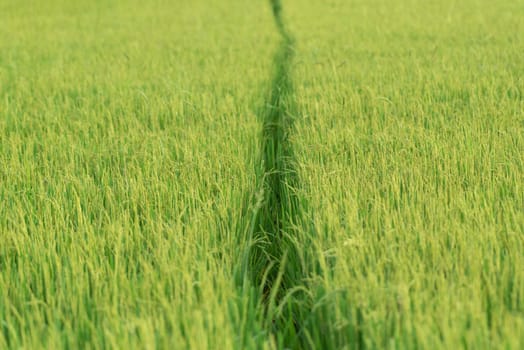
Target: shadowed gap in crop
(276, 264)
(281, 257)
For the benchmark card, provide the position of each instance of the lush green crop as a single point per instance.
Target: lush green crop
(258, 174)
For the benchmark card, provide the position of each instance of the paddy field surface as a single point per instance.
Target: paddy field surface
(262, 174)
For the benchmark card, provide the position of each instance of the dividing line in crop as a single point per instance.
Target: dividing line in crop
(277, 173)
(276, 259)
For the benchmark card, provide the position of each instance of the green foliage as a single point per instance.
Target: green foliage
(184, 175)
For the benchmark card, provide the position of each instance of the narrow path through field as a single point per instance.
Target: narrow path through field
(276, 260)
(277, 178)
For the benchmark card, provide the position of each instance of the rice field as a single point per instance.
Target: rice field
(294, 174)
